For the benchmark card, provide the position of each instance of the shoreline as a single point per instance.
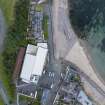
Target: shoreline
(86, 50)
(79, 55)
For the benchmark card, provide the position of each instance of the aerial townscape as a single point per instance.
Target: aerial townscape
(52, 52)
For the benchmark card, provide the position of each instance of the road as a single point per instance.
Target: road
(2, 30)
(2, 36)
(64, 36)
(50, 37)
(54, 65)
(3, 94)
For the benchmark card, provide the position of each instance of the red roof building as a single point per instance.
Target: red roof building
(19, 62)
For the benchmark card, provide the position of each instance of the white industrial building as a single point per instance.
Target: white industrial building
(34, 62)
(37, 1)
(41, 1)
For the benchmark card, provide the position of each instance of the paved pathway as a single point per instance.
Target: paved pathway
(2, 30)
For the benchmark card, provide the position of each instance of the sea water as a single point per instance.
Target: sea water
(88, 18)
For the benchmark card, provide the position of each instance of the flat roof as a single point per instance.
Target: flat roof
(40, 61)
(33, 63)
(31, 49)
(28, 90)
(27, 68)
(83, 99)
(44, 45)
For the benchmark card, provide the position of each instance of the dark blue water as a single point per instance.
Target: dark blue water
(88, 20)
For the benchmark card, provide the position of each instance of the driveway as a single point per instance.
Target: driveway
(2, 30)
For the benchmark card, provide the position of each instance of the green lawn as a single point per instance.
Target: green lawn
(1, 101)
(45, 26)
(28, 99)
(8, 9)
(39, 7)
(5, 79)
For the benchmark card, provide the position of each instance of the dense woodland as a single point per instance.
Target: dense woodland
(16, 37)
(85, 14)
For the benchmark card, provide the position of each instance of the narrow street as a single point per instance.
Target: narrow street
(2, 37)
(2, 30)
(3, 94)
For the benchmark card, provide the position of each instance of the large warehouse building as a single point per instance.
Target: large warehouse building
(34, 62)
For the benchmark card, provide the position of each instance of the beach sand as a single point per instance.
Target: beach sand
(78, 56)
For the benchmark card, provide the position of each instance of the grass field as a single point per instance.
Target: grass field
(39, 8)
(1, 101)
(8, 9)
(45, 26)
(5, 79)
